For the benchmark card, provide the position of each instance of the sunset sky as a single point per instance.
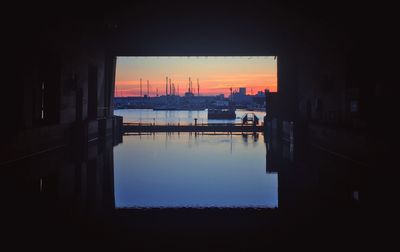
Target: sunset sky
(216, 74)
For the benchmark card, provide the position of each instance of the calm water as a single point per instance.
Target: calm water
(185, 170)
(177, 116)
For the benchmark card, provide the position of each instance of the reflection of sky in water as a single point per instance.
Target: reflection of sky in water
(177, 116)
(182, 170)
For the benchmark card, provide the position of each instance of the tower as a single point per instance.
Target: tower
(148, 89)
(198, 87)
(140, 87)
(170, 87)
(166, 86)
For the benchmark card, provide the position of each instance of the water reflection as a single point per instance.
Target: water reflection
(58, 192)
(193, 170)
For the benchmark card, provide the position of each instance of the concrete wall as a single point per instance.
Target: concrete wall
(62, 85)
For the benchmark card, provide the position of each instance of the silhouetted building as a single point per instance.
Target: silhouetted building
(242, 91)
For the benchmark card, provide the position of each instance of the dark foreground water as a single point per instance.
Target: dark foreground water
(188, 170)
(81, 194)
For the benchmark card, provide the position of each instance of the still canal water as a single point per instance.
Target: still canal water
(182, 117)
(189, 170)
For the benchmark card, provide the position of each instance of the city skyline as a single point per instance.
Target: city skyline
(216, 74)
